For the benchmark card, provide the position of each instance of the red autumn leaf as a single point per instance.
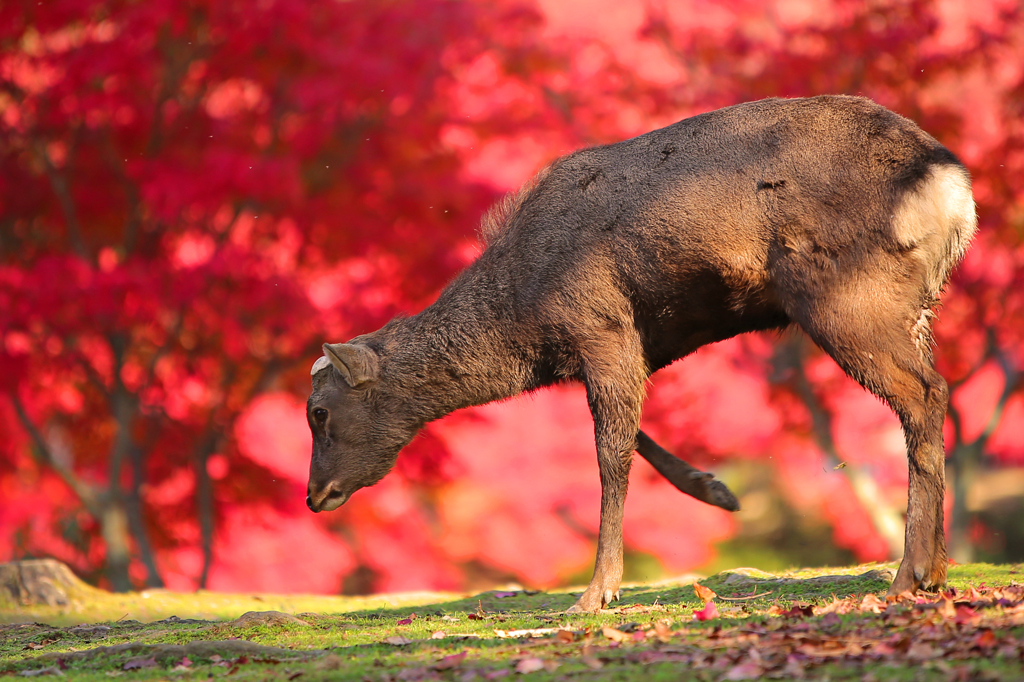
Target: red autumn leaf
(707, 613)
(450, 661)
(986, 639)
(965, 615)
(798, 611)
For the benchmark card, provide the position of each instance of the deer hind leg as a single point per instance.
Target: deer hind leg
(880, 336)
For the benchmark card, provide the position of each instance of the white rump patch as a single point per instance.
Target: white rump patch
(937, 221)
(321, 363)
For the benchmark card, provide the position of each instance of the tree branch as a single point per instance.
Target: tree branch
(1012, 380)
(131, 192)
(62, 190)
(85, 492)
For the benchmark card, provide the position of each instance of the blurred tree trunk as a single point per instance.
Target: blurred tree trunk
(789, 359)
(966, 459)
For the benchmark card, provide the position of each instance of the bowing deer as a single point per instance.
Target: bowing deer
(830, 213)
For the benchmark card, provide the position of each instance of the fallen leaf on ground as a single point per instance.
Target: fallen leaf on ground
(662, 631)
(616, 635)
(529, 665)
(745, 671)
(450, 661)
(798, 611)
(705, 594)
(707, 613)
(872, 603)
(986, 639)
(565, 636)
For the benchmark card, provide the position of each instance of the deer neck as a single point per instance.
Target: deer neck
(458, 352)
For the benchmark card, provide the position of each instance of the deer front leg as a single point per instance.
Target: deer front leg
(615, 426)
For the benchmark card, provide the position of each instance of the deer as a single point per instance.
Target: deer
(831, 214)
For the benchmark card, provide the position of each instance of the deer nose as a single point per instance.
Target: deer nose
(328, 498)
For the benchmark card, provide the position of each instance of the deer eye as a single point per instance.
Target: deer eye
(320, 415)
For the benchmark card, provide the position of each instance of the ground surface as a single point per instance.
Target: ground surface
(821, 624)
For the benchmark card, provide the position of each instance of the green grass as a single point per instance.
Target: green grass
(454, 637)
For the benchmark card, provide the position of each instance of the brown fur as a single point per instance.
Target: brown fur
(830, 213)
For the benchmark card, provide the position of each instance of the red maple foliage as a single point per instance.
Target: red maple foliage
(195, 195)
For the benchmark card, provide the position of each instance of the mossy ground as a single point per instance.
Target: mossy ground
(163, 635)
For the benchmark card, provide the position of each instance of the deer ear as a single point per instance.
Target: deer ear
(357, 364)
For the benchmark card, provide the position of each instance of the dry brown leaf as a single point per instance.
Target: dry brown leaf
(922, 651)
(872, 603)
(705, 594)
(662, 631)
(616, 635)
